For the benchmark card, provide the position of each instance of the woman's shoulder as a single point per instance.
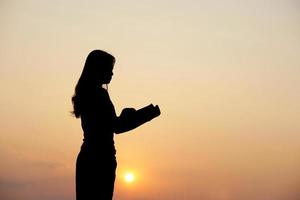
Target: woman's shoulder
(94, 94)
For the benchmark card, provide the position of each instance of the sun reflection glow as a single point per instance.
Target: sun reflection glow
(129, 177)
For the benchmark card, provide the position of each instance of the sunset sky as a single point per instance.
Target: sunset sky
(226, 75)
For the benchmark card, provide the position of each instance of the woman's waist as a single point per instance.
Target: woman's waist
(98, 152)
(93, 143)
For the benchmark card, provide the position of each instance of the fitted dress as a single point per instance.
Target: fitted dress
(96, 162)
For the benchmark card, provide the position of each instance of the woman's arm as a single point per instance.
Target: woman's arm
(126, 121)
(131, 118)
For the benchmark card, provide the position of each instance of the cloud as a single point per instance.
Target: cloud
(7, 184)
(46, 164)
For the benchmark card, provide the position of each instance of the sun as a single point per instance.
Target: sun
(129, 177)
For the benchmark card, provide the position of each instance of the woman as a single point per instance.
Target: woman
(96, 161)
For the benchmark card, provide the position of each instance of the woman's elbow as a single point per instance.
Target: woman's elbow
(121, 129)
(118, 131)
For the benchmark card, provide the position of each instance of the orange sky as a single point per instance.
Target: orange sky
(224, 73)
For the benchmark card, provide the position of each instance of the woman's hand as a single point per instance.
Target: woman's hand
(128, 113)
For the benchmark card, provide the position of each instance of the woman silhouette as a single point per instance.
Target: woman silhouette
(96, 161)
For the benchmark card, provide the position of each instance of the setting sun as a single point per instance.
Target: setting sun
(129, 177)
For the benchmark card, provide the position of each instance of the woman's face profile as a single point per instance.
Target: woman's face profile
(107, 74)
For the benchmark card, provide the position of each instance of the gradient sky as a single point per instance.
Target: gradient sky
(226, 75)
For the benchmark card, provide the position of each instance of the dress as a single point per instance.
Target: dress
(96, 161)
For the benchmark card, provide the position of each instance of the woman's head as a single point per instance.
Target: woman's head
(98, 67)
(97, 71)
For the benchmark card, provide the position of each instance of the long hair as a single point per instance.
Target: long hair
(95, 65)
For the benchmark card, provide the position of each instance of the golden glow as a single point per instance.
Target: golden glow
(129, 177)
